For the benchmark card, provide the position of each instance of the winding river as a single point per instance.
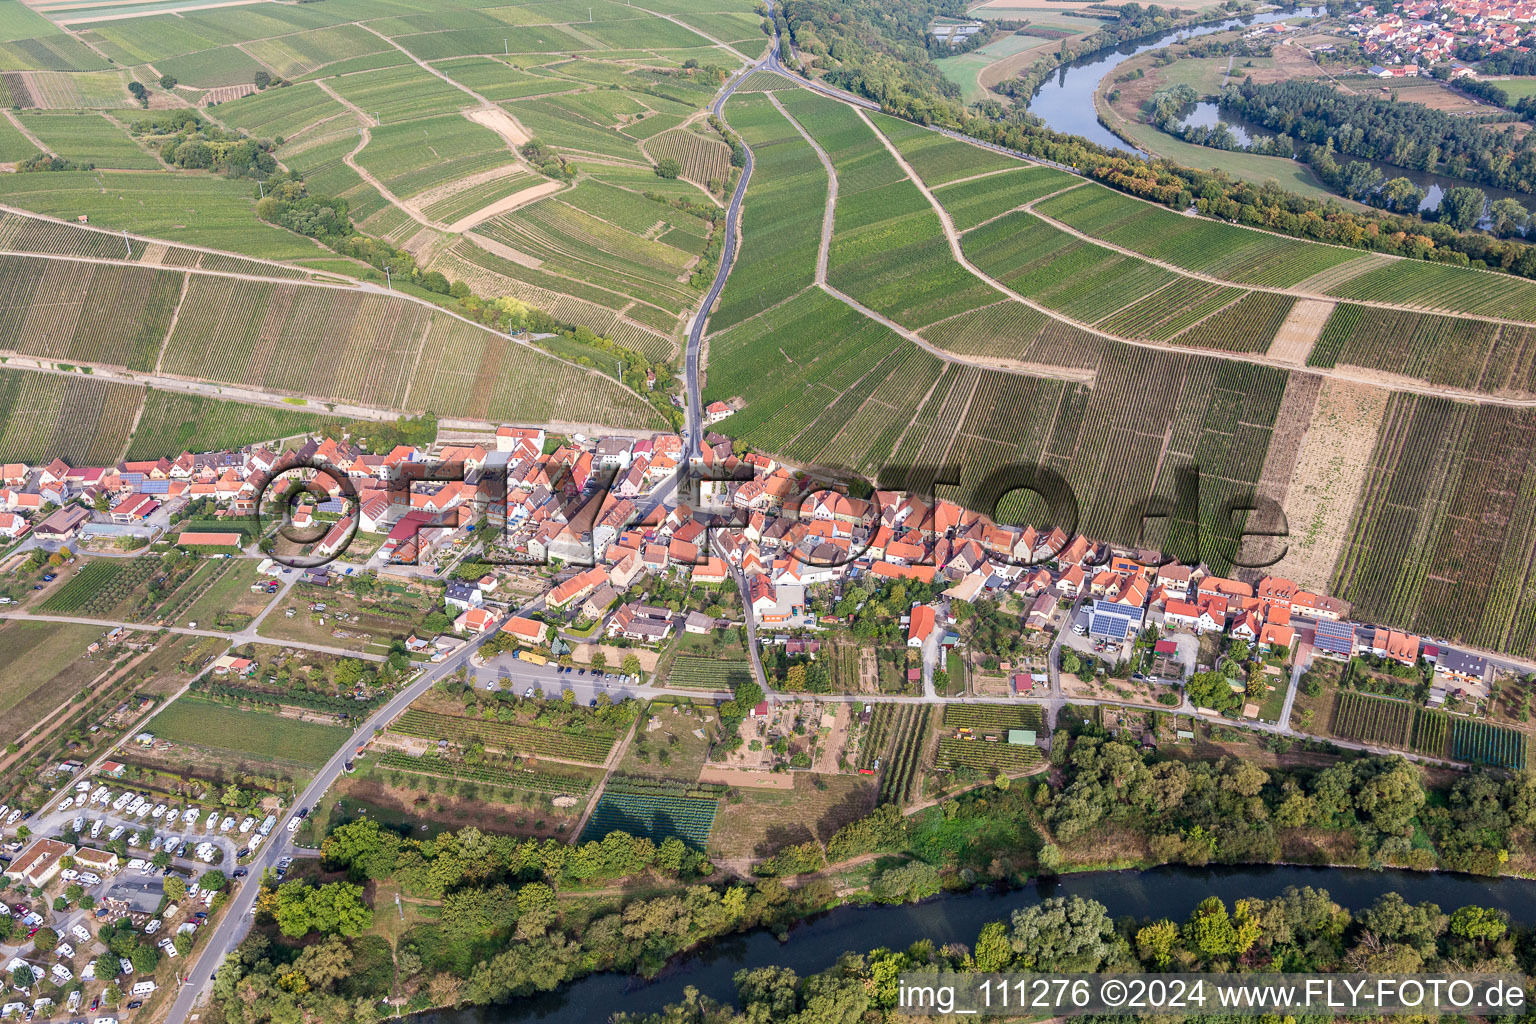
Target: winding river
(816, 944)
(1064, 101)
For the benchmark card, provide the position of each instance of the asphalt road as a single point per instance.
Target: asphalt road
(732, 224)
(232, 926)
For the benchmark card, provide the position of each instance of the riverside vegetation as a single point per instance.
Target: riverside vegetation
(510, 917)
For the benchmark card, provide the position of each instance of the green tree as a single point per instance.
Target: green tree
(167, 81)
(1057, 934)
(174, 887)
(1462, 207)
(1479, 924)
(1509, 217)
(1156, 942)
(668, 167)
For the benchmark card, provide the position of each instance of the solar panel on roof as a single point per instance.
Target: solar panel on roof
(1115, 627)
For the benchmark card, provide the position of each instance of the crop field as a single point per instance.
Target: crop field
(974, 201)
(992, 717)
(709, 673)
(1172, 308)
(197, 209)
(301, 53)
(172, 423)
(411, 157)
(1442, 535)
(986, 755)
(899, 767)
(496, 80)
(450, 208)
(1084, 281)
(1012, 330)
(97, 589)
(280, 112)
(486, 773)
(705, 158)
(1438, 286)
(83, 421)
(936, 158)
(888, 249)
(401, 94)
(88, 137)
(350, 346)
(203, 723)
(1373, 720)
(1247, 325)
(1440, 349)
(91, 312)
(1431, 730)
(1240, 255)
(656, 815)
(46, 664)
(572, 242)
(780, 218)
(584, 745)
(1481, 743)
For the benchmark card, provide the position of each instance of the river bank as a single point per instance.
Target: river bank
(817, 942)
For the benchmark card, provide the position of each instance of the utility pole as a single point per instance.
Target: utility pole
(389, 279)
(126, 244)
(506, 51)
(262, 187)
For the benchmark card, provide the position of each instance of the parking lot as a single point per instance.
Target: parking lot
(504, 672)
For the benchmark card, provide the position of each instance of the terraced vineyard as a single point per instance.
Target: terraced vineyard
(1374, 720)
(704, 158)
(90, 312)
(1442, 534)
(1439, 349)
(971, 203)
(381, 351)
(47, 416)
(172, 423)
(888, 249)
(585, 745)
(1239, 255)
(781, 214)
(938, 159)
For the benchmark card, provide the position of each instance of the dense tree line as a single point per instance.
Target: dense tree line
(501, 933)
(1409, 135)
(1233, 812)
(1302, 929)
(863, 65)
